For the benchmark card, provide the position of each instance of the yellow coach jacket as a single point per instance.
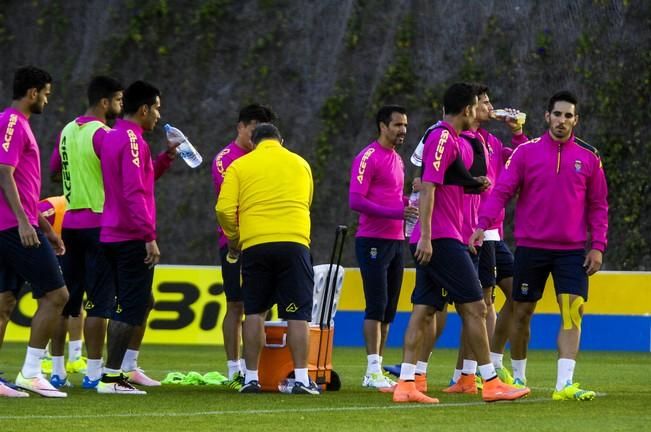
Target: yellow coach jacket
(266, 197)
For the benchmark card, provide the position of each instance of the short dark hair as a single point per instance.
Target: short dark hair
(385, 113)
(265, 131)
(101, 87)
(480, 89)
(457, 97)
(138, 94)
(28, 77)
(257, 112)
(564, 96)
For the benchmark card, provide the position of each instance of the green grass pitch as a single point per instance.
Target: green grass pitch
(622, 380)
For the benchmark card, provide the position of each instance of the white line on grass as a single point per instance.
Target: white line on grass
(263, 411)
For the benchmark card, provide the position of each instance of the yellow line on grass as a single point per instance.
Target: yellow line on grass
(263, 411)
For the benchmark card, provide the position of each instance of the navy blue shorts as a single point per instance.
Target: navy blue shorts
(449, 277)
(132, 279)
(503, 261)
(487, 266)
(37, 265)
(231, 277)
(533, 266)
(10, 281)
(381, 265)
(278, 272)
(86, 270)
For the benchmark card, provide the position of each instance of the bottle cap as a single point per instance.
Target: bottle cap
(167, 127)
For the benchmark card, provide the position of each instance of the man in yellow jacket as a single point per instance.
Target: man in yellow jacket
(264, 210)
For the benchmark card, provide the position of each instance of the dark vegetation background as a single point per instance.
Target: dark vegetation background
(325, 66)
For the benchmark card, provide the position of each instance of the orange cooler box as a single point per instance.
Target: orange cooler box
(276, 362)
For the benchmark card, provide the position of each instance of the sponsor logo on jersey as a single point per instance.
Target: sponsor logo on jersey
(65, 169)
(362, 165)
(220, 164)
(13, 119)
(135, 151)
(440, 148)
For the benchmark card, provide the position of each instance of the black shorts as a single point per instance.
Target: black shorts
(533, 266)
(231, 277)
(487, 264)
(381, 265)
(449, 276)
(503, 261)
(278, 272)
(10, 281)
(86, 269)
(37, 265)
(132, 279)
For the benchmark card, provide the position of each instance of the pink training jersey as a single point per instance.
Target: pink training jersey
(377, 181)
(470, 201)
(222, 161)
(86, 218)
(20, 150)
(441, 149)
(497, 157)
(128, 171)
(562, 195)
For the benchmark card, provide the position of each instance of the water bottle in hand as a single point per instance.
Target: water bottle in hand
(410, 222)
(186, 150)
(516, 115)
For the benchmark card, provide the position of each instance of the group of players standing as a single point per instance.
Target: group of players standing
(466, 179)
(109, 231)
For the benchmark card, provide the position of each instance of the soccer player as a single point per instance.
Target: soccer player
(495, 258)
(485, 260)
(249, 117)
(27, 240)
(562, 202)
(376, 193)
(53, 210)
(128, 233)
(264, 210)
(85, 267)
(444, 268)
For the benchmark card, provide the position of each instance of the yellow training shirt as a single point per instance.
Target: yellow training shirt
(266, 197)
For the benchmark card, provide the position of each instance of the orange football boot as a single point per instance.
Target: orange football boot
(496, 390)
(465, 384)
(406, 392)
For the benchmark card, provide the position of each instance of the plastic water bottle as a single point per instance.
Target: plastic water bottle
(519, 116)
(186, 150)
(286, 385)
(410, 222)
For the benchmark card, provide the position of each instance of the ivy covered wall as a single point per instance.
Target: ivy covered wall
(326, 66)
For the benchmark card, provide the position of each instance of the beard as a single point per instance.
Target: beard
(111, 115)
(37, 107)
(398, 142)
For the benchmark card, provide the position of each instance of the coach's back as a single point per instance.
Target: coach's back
(269, 191)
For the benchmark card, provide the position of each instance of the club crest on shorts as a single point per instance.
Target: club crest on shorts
(578, 165)
(524, 288)
(373, 253)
